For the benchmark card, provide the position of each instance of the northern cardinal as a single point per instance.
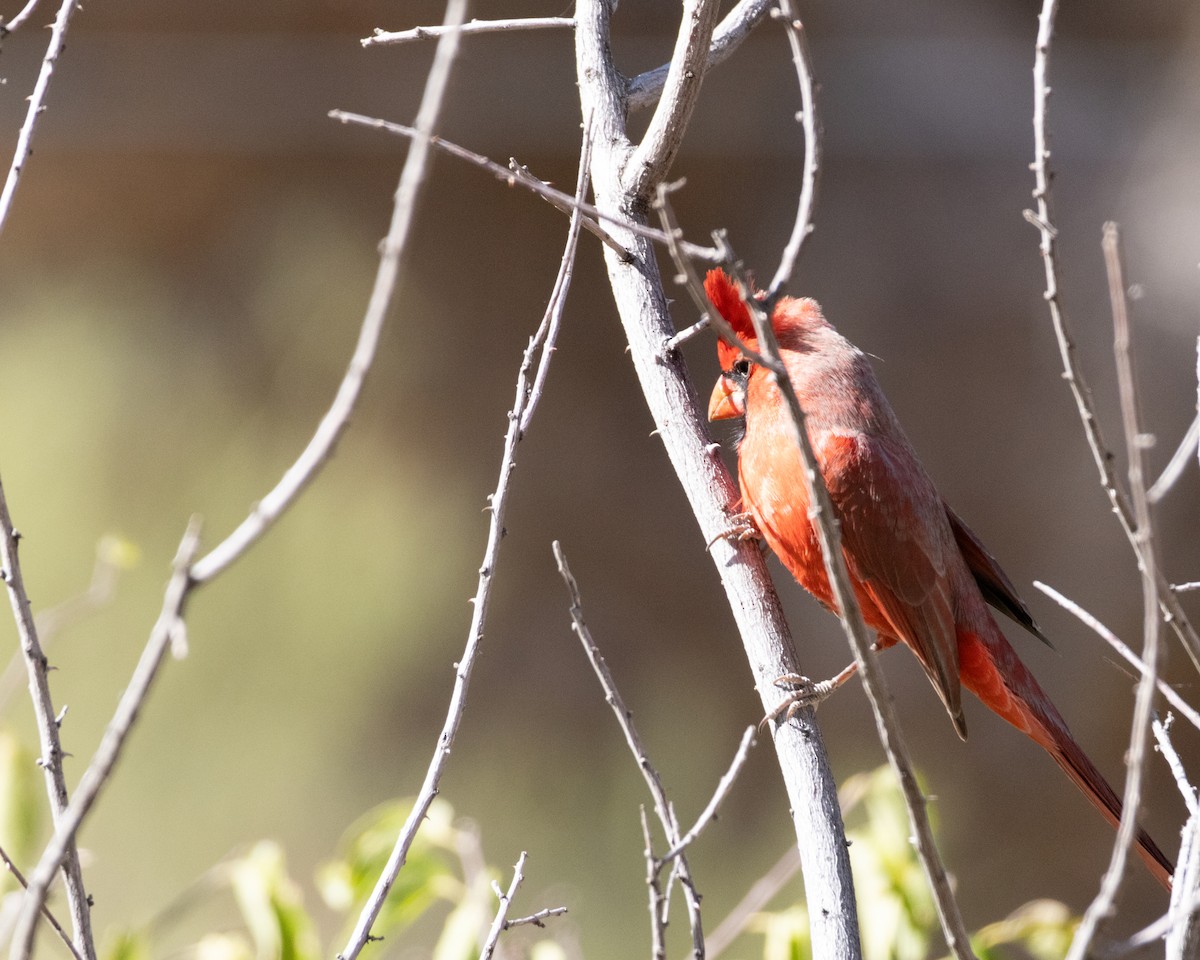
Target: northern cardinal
(920, 575)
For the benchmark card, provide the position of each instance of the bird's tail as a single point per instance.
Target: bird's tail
(992, 671)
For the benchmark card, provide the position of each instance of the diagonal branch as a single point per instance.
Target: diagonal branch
(645, 89)
(49, 917)
(662, 806)
(37, 100)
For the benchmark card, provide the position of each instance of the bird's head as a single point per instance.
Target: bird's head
(799, 327)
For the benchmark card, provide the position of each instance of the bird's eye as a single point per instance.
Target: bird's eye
(741, 367)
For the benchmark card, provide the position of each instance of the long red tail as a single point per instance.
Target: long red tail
(992, 671)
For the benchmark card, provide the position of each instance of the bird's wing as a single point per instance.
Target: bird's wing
(897, 543)
(993, 582)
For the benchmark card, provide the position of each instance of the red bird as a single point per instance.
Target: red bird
(920, 575)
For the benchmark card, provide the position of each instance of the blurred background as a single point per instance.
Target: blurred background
(183, 275)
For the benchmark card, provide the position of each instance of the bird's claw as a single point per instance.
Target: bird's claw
(804, 693)
(741, 528)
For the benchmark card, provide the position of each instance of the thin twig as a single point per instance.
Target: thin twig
(16, 22)
(37, 100)
(657, 903)
(1172, 611)
(1105, 634)
(654, 154)
(802, 60)
(1178, 463)
(1185, 587)
(50, 918)
(386, 37)
(562, 201)
(535, 919)
(498, 502)
(169, 623)
(887, 725)
(1101, 907)
(1162, 737)
(50, 743)
(645, 89)
(624, 717)
(709, 813)
(499, 924)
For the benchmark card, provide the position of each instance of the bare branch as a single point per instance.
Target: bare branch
(709, 813)
(1185, 587)
(37, 100)
(500, 924)
(1162, 737)
(654, 782)
(385, 38)
(1172, 611)
(657, 904)
(513, 174)
(36, 667)
(1126, 654)
(498, 502)
(1177, 464)
(645, 89)
(61, 845)
(652, 158)
(16, 22)
(1101, 907)
(798, 41)
(50, 918)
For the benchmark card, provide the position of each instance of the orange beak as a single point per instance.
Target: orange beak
(727, 401)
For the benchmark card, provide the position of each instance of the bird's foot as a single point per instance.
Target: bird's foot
(741, 528)
(805, 693)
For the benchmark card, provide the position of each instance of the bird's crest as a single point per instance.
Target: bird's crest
(726, 297)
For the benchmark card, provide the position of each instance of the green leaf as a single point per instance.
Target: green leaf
(125, 944)
(787, 934)
(272, 906)
(428, 876)
(1044, 928)
(896, 910)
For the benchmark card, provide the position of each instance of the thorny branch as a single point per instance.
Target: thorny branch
(1172, 611)
(390, 37)
(527, 396)
(51, 759)
(37, 100)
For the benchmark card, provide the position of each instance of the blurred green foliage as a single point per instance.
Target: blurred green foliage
(268, 917)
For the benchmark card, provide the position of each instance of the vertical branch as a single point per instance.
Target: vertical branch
(641, 304)
(48, 733)
(1172, 611)
(1135, 446)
